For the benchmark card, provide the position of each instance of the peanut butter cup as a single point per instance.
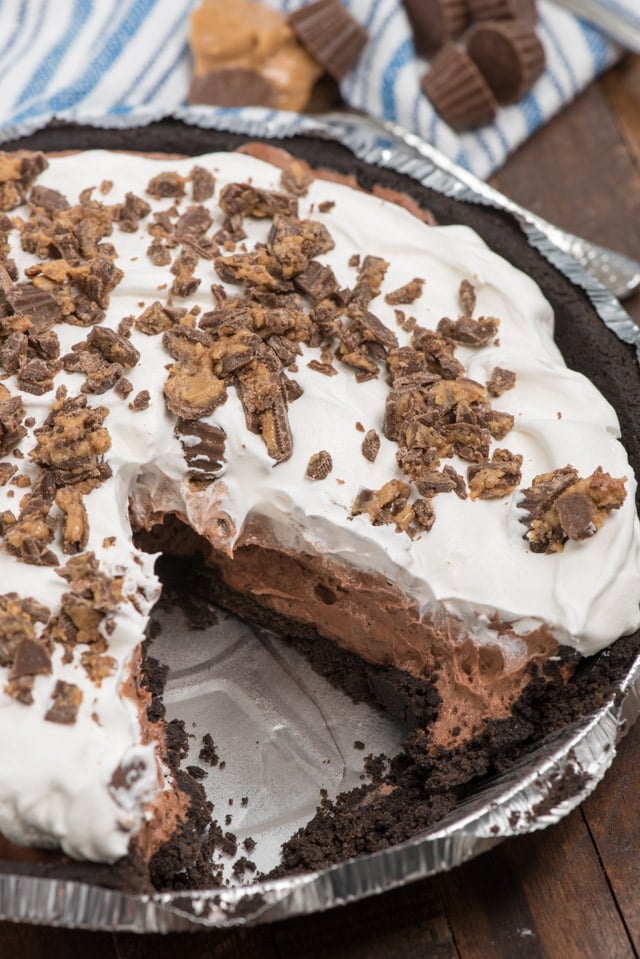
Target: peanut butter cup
(458, 90)
(503, 10)
(435, 22)
(509, 55)
(330, 34)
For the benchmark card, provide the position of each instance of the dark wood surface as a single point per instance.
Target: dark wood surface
(569, 891)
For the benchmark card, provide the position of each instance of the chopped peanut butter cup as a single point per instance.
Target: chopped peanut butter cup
(435, 22)
(457, 89)
(508, 54)
(330, 34)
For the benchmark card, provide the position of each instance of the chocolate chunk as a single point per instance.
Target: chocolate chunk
(371, 445)
(46, 345)
(370, 277)
(408, 293)
(11, 417)
(203, 184)
(66, 702)
(423, 513)
(388, 505)
(158, 318)
(166, 184)
(557, 510)
(296, 177)
(319, 465)
(495, 478)
(7, 470)
(203, 447)
(21, 689)
(435, 22)
(575, 512)
(158, 253)
(438, 352)
(508, 54)
(72, 441)
(331, 35)
(295, 242)
(317, 280)
(13, 352)
(128, 214)
(457, 89)
(195, 221)
(247, 200)
(405, 361)
(469, 332)
(50, 201)
(371, 328)
(545, 489)
(75, 526)
(42, 307)
(467, 297)
(185, 283)
(36, 376)
(113, 347)
(325, 368)
(140, 401)
(232, 87)
(30, 659)
(192, 390)
(17, 172)
(275, 429)
(500, 381)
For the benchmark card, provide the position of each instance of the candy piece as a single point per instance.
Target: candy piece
(330, 34)
(503, 10)
(247, 54)
(239, 87)
(435, 22)
(509, 55)
(457, 89)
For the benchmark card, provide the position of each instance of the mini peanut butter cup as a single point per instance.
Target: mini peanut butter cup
(508, 54)
(330, 34)
(235, 87)
(503, 10)
(435, 22)
(457, 89)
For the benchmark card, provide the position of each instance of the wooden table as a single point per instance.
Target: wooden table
(574, 889)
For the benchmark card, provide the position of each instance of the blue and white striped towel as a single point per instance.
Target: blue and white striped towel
(125, 63)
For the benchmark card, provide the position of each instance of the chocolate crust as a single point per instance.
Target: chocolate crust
(546, 708)
(417, 788)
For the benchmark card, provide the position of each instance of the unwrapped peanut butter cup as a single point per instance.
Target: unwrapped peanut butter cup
(330, 34)
(247, 54)
(457, 89)
(503, 10)
(234, 87)
(509, 55)
(435, 22)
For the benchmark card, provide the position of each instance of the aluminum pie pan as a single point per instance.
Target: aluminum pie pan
(538, 792)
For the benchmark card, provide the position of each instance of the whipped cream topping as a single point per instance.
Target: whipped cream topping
(62, 785)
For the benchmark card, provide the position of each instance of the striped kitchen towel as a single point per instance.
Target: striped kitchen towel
(126, 63)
